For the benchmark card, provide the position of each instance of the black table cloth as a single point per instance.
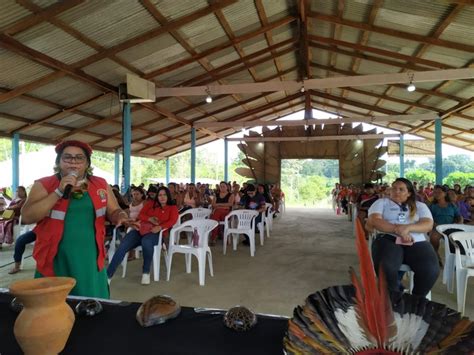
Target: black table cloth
(116, 331)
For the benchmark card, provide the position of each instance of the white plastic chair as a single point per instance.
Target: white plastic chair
(269, 217)
(203, 227)
(156, 254)
(263, 225)
(449, 258)
(464, 265)
(403, 267)
(196, 214)
(19, 229)
(240, 222)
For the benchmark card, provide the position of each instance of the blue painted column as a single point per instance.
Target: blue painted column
(402, 155)
(167, 171)
(127, 145)
(117, 167)
(193, 155)
(226, 160)
(438, 153)
(15, 162)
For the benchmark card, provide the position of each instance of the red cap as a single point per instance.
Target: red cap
(72, 143)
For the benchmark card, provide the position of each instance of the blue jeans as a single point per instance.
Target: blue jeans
(20, 244)
(132, 240)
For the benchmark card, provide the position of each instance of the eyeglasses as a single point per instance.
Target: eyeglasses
(68, 158)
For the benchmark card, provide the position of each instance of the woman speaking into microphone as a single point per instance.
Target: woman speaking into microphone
(70, 209)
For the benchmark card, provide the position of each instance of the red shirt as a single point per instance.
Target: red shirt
(167, 216)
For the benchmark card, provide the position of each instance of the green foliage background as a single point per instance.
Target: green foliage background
(305, 182)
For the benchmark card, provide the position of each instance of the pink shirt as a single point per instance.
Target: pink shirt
(135, 210)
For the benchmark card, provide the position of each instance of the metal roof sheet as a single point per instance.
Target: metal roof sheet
(173, 9)
(16, 70)
(108, 71)
(155, 53)
(23, 108)
(11, 13)
(242, 17)
(462, 30)
(203, 33)
(66, 91)
(418, 17)
(110, 22)
(73, 121)
(55, 43)
(323, 6)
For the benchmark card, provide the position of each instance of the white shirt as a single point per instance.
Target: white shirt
(393, 213)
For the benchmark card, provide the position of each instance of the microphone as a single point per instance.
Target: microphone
(68, 188)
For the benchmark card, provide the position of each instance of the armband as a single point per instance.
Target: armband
(59, 192)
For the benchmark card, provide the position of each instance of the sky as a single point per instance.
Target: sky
(234, 150)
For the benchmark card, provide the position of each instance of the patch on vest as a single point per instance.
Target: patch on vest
(102, 194)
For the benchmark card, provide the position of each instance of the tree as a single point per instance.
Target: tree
(460, 178)
(423, 177)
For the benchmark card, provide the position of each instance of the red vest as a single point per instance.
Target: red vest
(49, 231)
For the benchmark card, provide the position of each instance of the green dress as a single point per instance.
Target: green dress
(77, 251)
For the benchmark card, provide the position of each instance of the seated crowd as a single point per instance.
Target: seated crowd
(400, 216)
(158, 208)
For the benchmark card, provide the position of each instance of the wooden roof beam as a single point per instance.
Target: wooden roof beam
(273, 25)
(375, 109)
(430, 92)
(314, 138)
(364, 48)
(43, 15)
(290, 105)
(392, 32)
(335, 82)
(154, 33)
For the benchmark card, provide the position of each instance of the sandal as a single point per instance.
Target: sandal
(14, 271)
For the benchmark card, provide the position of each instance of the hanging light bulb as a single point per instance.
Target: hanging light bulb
(209, 97)
(322, 126)
(411, 87)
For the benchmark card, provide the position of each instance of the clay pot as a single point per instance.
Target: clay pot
(44, 325)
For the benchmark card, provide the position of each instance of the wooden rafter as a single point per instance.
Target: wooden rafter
(43, 15)
(393, 32)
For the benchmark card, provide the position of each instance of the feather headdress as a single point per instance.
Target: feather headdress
(362, 318)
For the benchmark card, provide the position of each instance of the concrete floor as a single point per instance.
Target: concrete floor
(309, 249)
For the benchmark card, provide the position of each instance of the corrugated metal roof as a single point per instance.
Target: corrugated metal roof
(242, 17)
(323, 6)
(356, 10)
(418, 17)
(223, 57)
(66, 91)
(11, 13)
(205, 30)
(110, 22)
(173, 9)
(174, 78)
(103, 22)
(447, 56)
(26, 109)
(108, 71)
(73, 121)
(155, 53)
(44, 3)
(16, 71)
(461, 30)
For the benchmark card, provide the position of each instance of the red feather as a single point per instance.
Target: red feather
(374, 304)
